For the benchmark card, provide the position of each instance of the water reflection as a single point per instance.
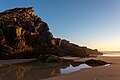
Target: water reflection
(36, 71)
(73, 69)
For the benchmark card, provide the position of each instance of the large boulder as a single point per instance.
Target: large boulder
(46, 58)
(93, 62)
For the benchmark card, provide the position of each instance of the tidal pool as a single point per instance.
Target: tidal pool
(36, 71)
(71, 68)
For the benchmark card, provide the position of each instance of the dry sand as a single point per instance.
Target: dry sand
(111, 72)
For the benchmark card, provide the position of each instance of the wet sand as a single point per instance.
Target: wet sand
(13, 61)
(111, 72)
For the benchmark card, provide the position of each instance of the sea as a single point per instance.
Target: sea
(111, 53)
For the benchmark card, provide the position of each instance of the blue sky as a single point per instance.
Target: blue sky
(91, 23)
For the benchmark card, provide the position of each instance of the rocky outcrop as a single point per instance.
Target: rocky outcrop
(22, 32)
(93, 62)
(25, 35)
(75, 50)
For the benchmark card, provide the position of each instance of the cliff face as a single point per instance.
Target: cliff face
(25, 35)
(20, 27)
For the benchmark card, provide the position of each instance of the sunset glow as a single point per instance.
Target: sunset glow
(93, 23)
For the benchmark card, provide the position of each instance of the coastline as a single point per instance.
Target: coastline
(110, 72)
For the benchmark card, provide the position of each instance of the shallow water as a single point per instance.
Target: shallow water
(32, 70)
(37, 71)
(71, 68)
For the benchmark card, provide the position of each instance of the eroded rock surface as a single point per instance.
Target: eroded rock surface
(25, 35)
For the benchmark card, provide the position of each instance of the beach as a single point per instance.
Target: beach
(110, 72)
(51, 71)
(60, 40)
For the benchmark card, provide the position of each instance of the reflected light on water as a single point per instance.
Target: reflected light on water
(112, 54)
(73, 69)
(37, 71)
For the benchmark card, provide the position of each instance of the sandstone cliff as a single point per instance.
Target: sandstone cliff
(25, 35)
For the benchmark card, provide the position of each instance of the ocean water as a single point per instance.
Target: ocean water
(111, 53)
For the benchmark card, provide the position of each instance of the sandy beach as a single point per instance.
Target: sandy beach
(111, 72)
(34, 72)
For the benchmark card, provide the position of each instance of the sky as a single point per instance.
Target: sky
(91, 23)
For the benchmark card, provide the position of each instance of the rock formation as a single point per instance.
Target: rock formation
(75, 50)
(25, 35)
